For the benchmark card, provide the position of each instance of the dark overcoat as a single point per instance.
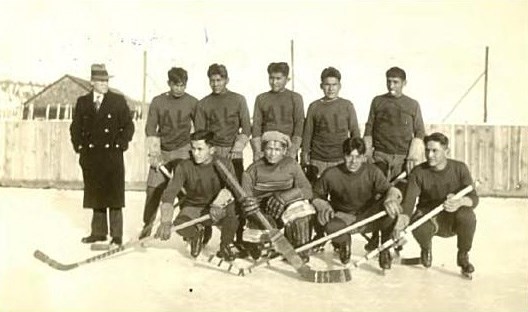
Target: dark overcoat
(101, 137)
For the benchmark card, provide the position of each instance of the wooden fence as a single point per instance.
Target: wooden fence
(39, 154)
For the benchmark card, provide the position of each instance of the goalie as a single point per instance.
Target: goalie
(278, 185)
(206, 194)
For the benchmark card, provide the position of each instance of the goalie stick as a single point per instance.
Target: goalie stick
(281, 244)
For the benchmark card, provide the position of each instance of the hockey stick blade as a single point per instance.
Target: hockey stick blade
(53, 263)
(65, 267)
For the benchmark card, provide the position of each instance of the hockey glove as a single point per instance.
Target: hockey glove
(277, 203)
(164, 231)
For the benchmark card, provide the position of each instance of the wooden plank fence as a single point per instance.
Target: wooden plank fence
(39, 154)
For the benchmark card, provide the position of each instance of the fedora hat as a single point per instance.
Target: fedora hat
(99, 72)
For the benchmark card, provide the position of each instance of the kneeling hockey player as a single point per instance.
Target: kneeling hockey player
(432, 183)
(279, 184)
(348, 193)
(206, 194)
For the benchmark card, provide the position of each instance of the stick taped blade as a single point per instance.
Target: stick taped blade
(52, 263)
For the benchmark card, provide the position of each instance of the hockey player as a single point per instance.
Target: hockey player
(329, 121)
(202, 185)
(394, 131)
(279, 183)
(348, 193)
(434, 182)
(168, 130)
(278, 110)
(225, 113)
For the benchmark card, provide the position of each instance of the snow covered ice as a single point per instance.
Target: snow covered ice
(163, 277)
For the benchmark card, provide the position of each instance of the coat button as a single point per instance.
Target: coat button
(90, 145)
(106, 130)
(109, 116)
(107, 145)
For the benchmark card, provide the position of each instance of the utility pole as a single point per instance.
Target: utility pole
(144, 77)
(486, 87)
(292, 68)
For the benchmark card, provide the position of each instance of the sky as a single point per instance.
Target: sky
(440, 44)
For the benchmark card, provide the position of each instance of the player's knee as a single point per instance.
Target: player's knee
(466, 215)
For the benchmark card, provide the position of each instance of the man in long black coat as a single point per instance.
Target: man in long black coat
(100, 132)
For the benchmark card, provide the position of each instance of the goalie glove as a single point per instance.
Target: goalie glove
(277, 203)
(325, 212)
(217, 209)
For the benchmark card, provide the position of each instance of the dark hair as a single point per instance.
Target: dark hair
(355, 143)
(177, 75)
(396, 72)
(330, 72)
(280, 67)
(437, 137)
(203, 135)
(217, 69)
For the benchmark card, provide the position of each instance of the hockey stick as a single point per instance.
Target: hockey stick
(324, 239)
(65, 267)
(280, 242)
(408, 230)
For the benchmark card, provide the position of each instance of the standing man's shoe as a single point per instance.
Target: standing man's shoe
(93, 238)
(116, 241)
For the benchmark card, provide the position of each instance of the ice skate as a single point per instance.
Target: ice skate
(467, 268)
(385, 260)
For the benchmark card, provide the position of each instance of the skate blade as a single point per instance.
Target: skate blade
(100, 246)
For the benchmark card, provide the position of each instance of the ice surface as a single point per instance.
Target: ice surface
(163, 277)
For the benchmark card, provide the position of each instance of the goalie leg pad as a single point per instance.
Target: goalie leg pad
(299, 231)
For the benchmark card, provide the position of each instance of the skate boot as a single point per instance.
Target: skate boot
(464, 264)
(241, 252)
(208, 233)
(345, 250)
(335, 246)
(373, 242)
(426, 256)
(226, 253)
(197, 243)
(385, 260)
(319, 247)
(146, 231)
(254, 249)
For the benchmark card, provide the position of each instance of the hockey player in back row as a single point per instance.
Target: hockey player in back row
(434, 182)
(278, 110)
(203, 187)
(394, 131)
(168, 131)
(329, 121)
(225, 113)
